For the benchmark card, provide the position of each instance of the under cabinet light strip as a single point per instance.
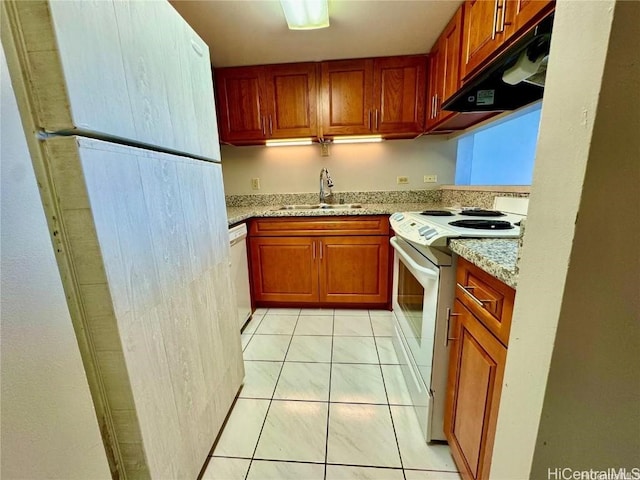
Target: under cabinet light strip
(288, 142)
(358, 139)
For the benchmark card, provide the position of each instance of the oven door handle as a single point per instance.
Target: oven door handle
(410, 261)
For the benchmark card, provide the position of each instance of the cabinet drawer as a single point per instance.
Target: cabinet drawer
(488, 298)
(317, 226)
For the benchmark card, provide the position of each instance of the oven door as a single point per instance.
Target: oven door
(415, 303)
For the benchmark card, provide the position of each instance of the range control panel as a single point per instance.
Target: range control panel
(410, 227)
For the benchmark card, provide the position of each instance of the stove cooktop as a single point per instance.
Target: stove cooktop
(479, 212)
(437, 213)
(483, 224)
(435, 230)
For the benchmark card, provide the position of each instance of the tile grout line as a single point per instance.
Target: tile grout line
(384, 383)
(255, 449)
(326, 444)
(251, 333)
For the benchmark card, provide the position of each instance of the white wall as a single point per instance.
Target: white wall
(353, 167)
(49, 428)
(571, 395)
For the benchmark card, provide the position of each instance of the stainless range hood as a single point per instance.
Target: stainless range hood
(514, 79)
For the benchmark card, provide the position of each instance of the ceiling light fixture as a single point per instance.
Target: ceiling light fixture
(288, 142)
(306, 14)
(358, 139)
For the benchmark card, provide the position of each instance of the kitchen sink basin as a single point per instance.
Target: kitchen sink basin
(322, 206)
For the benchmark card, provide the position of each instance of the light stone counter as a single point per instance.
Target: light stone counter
(239, 214)
(497, 257)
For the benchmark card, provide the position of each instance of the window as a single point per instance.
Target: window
(502, 153)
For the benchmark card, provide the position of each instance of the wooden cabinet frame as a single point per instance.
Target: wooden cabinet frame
(481, 322)
(383, 96)
(267, 102)
(321, 261)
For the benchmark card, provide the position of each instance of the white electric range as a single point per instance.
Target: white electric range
(423, 293)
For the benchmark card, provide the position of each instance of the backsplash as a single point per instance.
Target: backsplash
(474, 198)
(408, 196)
(447, 197)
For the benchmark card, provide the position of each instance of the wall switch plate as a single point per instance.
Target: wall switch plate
(255, 184)
(402, 180)
(430, 178)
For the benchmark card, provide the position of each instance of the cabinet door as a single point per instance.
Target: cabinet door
(481, 38)
(399, 91)
(240, 93)
(292, 99)
(435, 86)
(354, 269)
(444, 70)
(284, 269)
(476, 369)
(450, 53)
(528, 12)
(346, 97)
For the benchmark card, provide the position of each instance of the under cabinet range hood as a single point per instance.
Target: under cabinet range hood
(514, 79)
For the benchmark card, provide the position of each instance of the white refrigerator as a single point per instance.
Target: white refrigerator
(117, 102)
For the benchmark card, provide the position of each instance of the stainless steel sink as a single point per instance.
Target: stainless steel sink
(322, 206)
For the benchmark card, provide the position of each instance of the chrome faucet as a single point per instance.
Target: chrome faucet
(324, 175)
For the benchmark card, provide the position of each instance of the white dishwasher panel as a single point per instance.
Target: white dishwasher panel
(240, 271)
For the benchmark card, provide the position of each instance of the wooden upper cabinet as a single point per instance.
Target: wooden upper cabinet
(347, 87)
(450, 52)
(240, 93)
(292, 100)
(370, 96)
(525, 13)
(483, 32)
(433, 87)
(399, 94)
(490, 26)
(444, 70)
(271, 101)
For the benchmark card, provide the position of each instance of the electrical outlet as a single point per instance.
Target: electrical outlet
(255, 184)
(430, 178)
(402, 180)
(324, 149)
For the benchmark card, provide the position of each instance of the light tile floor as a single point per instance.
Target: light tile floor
(324, 399)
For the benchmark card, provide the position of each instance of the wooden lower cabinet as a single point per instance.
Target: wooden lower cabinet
(354, 269)
(482, 320)
(476, 369)
(284, 269)
(315, 262)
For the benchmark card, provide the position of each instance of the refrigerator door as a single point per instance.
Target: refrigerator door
(149, 245)
(132, 71)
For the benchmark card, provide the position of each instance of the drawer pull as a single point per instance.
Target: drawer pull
(447, 338)
(466, 290)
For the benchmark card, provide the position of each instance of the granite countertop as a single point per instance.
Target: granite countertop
(496, 256)
(239, 214)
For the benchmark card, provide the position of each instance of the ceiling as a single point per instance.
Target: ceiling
(250, 32)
